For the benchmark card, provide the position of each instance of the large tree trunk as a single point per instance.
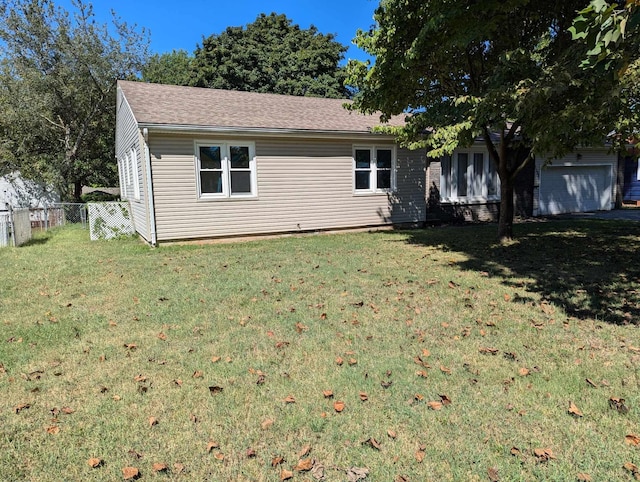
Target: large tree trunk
(505, 221)
(77, 191)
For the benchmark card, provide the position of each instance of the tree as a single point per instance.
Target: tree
(503, 70)
(173, 68)
(57, 91)
(272, 55)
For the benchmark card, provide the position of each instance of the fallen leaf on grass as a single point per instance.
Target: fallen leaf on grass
(492, 472)
(94, 462)
(391, 434)
(212, 445)
(488, 351)
(373, 443)
(434, 405)
(363, 396)
(162, 336)
(290, 399)
(67, 410)
(140, 378)
(130, 473)
(304, 465)
(178, 468)
(300, 327)
(130, 346)
(422, 373)
(386, 384)
(591, 382)
(523, 372)
(198, 374)
(159, 467)
(584, 477)
(266, 423)
(514, 451)
(446, 370)
(632, 439)
(286, 474)
(354, 474)
(216, 359)
(633, 468)
(353, 361)
(54, 429)
(338, 406)
(618, 404)
(214, 390)
(544, 455)
(304, 451)
(339, 361)
(218, 456)
(420, 455)
(445, 399)
(153, 421)
(250, 453)
(327, 393)
(21, 407)
(574, 410)
(317, 472)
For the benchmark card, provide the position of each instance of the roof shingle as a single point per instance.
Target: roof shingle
(169, 105)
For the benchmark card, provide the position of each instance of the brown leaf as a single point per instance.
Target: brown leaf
(277, 460)
(130, 346)
(130, 473)
(434, 405)
(140, 378)
(163, 337)
(633, 468)
(544, 455)
(303, 465)
(632, 439)
(250, 453)
(153, 421)
(300, 327)
(355, 474)
(53, 430)
(327, 393)
(523, 372)
(67, 410)
(197, 374)
(282, 344)
(584, 477)
(212, 445)
(21, 407)
(488, 351)
(323, 316)
(290, 399)
(304, 451)
(386, 384)
(286, 474)
(338, 406)
(392, 434)
(214, 389)
(216, 359)
(178, 468)
(574, 410)
(420, 455)
(218, 456)
(178, 382)
(159, 467)
(445, 399)
(373, 443)
(618, 404)
(266, 423)
(339, 361)
(353, 361)
(363, 396)
(591, 382)
(514, 451)
(422, 373)
(446, 370)
(492, 472)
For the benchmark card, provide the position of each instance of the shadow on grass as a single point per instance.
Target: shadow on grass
(590, 268)
(38, 240)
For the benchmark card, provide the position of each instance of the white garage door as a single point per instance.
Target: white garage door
(574, 189)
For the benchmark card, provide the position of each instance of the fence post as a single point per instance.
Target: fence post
(12, 227)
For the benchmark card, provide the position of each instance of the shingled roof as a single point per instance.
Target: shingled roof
(169, 105)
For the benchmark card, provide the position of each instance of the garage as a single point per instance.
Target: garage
(575, 188)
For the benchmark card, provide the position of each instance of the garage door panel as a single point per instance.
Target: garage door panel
(574, 189)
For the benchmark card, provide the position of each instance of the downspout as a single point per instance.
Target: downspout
(150, 202)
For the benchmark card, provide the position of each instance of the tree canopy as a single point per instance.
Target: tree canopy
(272, 55)
(172, 68)
(506, 71)
(57, 91)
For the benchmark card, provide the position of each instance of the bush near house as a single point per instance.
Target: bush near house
(415, 355)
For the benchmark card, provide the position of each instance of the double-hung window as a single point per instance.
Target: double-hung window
(468, 177)
(374, 169)
(226, 169)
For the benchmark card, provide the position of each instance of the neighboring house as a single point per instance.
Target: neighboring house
(631, 183)
(466, 187)
(17, 192)
(203, 163)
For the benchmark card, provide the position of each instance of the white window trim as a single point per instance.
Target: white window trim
(373, 168)
(226, 169)
(452, 190)
(638, 171)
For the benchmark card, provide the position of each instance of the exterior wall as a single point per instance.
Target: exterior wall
(579, 158)
(631, 191)
(302, 185)
(128, 137)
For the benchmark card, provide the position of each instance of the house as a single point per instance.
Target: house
(466, 187)
(18, 192)
(204, 163)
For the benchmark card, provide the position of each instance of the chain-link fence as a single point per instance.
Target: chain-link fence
(59, 214)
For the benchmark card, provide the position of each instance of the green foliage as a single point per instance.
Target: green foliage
(57, 91)
(504, 70)
(172, 68)
(99, 196)
(272, 55)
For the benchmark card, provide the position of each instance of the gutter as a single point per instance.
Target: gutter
(150, 201)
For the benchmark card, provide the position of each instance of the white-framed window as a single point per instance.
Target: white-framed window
(638, 172)
(225, 169)
(468, 176)
(374, 169)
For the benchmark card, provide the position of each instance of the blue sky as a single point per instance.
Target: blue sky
(181, 24)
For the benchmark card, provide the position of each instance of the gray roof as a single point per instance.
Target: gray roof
(169, 105)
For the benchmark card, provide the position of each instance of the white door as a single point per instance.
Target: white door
(571, 189)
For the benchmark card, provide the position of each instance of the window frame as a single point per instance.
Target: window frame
(135, 174)
(226, 169)
(373, 169)
(477, 184)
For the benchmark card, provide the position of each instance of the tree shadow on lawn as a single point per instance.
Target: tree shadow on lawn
(590, 268)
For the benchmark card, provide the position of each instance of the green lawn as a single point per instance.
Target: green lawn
(422, 355)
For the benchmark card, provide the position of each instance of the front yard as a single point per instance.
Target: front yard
(423, 355)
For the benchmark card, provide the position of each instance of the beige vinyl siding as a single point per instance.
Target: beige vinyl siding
(128, 137)
(302, 185)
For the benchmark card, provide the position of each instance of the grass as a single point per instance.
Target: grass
(117, 333)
